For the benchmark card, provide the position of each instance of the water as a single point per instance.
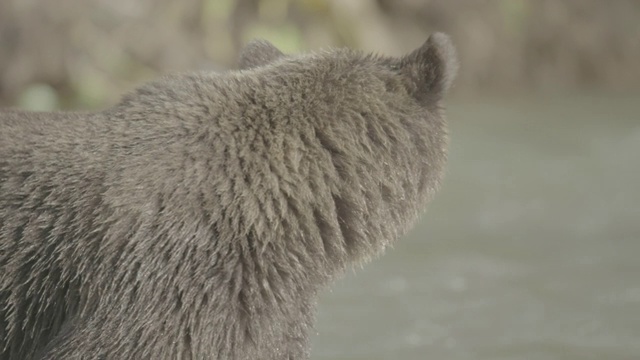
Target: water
(530, 251)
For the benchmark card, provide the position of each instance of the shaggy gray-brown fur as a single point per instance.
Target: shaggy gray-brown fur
(200, 216)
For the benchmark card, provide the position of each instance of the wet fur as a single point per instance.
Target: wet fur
(200, 216)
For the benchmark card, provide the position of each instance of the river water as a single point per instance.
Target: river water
(531, 250)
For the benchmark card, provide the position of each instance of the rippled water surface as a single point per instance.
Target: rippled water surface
(530, 251)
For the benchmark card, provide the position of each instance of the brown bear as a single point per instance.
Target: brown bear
(200, 216)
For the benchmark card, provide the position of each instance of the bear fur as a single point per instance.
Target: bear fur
(200, 216)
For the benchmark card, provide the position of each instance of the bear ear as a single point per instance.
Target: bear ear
(258, 53)
(430, 69)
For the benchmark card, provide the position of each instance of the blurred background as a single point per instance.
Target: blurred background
(530, 250)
